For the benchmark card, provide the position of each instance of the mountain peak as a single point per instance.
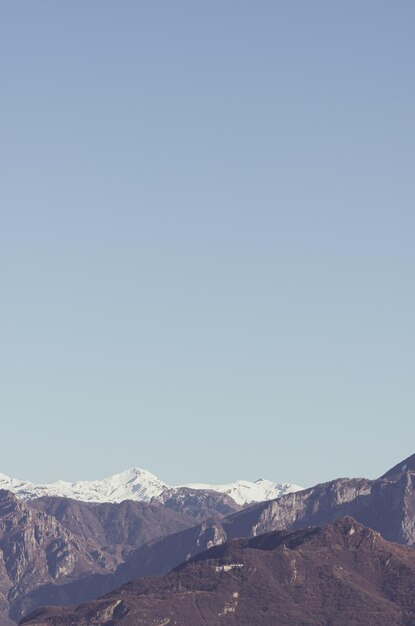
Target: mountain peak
(407, 465)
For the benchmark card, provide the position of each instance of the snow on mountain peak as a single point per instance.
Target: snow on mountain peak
(246, 491)
(141, 485)
(133, 484)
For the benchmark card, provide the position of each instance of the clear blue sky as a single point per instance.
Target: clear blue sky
(207, 238)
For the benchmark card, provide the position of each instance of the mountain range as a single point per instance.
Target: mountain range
(142, 486)
(341, 575)
(56, 550)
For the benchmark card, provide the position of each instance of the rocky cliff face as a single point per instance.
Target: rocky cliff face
(48, 544)
(342, 575)
(119, 527)
(36, 550)
(385, 505)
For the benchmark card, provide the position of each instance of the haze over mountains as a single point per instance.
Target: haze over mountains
(61, 551)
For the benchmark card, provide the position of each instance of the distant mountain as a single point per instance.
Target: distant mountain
(142, 486)
(133, 484)
(245, 492)
(341, 575)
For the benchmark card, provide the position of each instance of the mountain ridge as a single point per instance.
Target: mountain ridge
(342, 574)
(142, 486)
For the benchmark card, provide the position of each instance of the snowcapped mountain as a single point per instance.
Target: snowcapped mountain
(133, 484)
(245, 491)
(141, 485)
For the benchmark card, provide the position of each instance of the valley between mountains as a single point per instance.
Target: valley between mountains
(338, 553)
